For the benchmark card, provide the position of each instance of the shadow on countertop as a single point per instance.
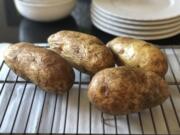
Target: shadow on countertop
(15, 28)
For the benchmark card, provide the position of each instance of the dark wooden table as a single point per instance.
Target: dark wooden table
(14, 28)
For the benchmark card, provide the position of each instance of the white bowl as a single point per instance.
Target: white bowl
(44, 13)
(45, 2)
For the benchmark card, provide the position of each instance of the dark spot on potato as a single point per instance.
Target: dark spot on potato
(105, 90)
(121, 51)
(59, 49)
(131, 106)
(76, 50)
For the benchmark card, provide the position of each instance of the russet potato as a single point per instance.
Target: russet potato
(43, 67)
(83, 51)
(124, 90)
(138, 53)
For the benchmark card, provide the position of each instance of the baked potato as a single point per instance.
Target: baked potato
(124, 90)
(41, 66)
(138, 53)
(84, 52)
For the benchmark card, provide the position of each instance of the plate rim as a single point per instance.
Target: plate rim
(94, 2)
(136, 22)
(114, 33)
(135, 32)
(135, 27)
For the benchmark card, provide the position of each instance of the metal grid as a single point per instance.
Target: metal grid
(27, 109)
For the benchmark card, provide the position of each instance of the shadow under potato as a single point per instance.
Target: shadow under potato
(36, 32)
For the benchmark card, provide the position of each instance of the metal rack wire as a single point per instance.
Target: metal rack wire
(27, 109)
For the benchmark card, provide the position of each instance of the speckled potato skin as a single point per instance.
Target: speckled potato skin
(41, 66)
(124, 90)
(84, 52)
(138, 53)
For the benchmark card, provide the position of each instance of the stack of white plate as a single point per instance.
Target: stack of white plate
(142, 19)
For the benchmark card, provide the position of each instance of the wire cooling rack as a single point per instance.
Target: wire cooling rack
(25, 108)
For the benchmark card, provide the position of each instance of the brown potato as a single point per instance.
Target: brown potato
(138, 53)
(41, 66)
(124, 90)
(84, 52)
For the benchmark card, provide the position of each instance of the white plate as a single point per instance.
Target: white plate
(117, 33)
(134, 32)
(134, 27)
(134, 22)
(143, 10)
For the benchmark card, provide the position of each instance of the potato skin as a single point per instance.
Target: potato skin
(41, 66)
(84, 52)
(124, 90)
(138, 53)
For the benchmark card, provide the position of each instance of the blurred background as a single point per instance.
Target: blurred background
(15, 28)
